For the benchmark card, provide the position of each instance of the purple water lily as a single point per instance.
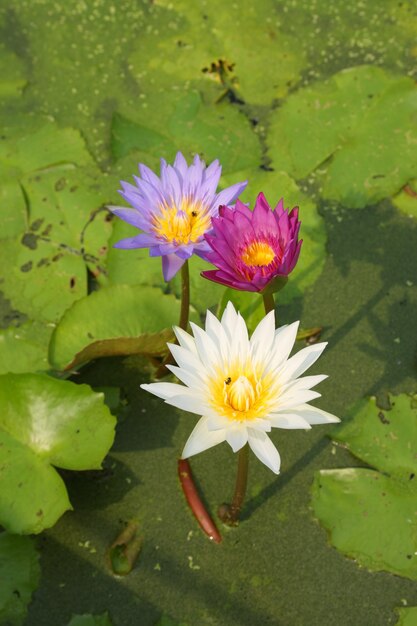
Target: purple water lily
(175, 210)
(253, 248)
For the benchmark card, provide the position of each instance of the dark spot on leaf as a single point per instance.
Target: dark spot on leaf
(181, 44)
(109, 217)
(26, 267)
(30, 241)
(57, 256)
(39, 513)
(60, 184)
(43, 262)
(47, 230)
(383, 419)
(37, 224)
(72, 282)
(77, 431)
(378, 176)
(370, 95)
(411, 476)
(90, 336)
(103, 250)
(409, 556)
(44, 199)
(16, 592)
(73, 188)
(20, 485)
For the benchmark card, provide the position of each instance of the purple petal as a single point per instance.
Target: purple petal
(228, 195)
(171, 263)
(181, 164)
(131, 216)
(143, 240)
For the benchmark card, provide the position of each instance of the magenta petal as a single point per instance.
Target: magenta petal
(171, 263)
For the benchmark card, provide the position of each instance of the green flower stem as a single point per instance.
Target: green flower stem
(229, 513)
(185, 296)
(269, 302)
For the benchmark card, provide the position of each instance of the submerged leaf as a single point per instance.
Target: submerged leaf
(19, 576)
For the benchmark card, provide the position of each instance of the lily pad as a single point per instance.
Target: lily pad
(25, 348)
(371, 516)
(120, 319)
(364, 119)
(46, 422)
(12, 74)
(219, 132)
(203, 43)
(276, 185)
(406, 200)
(13, 212)
(19, 575)
(407, 616)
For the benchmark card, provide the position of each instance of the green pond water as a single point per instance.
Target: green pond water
(129, 78)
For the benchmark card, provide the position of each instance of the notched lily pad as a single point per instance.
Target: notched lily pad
(407, 616)
(219, 132)
(116, 320)
(46, 422)
(19, 576)
(363, 120)
(370, 515)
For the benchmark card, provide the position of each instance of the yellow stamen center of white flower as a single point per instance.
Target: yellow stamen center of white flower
(243, 393)
(184, 224)
(258, 253)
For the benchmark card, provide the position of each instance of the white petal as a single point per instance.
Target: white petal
(264, 449)
(288, 421)
(202, 439)
(301, 361)
(236, 437)
(263, 338)
(187, 360)
(216, 332)
(283, 344)
(216, 421)
(188, 378)
(290, 400)
(307, 382)
(188, 402)
(185, 340)
(206, 349)
(228, 320)
(164, 390)
(314, 415)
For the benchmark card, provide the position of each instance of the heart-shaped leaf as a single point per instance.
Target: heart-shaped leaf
(46, 422)
(371, 516)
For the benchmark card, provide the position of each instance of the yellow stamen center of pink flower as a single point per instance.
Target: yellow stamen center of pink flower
(258, 253)
(182, 225)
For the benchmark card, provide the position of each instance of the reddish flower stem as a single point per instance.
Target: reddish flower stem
(195, 503)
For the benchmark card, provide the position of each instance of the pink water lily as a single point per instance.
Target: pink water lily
(175, 210)
(251, 249)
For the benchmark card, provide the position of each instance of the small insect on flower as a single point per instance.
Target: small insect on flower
(242, 387)
(253, 250)
(174, 211)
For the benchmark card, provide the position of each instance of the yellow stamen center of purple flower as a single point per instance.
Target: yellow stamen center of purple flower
(183, 225)
(258, 253)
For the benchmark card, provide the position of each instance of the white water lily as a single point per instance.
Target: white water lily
(242, 387)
